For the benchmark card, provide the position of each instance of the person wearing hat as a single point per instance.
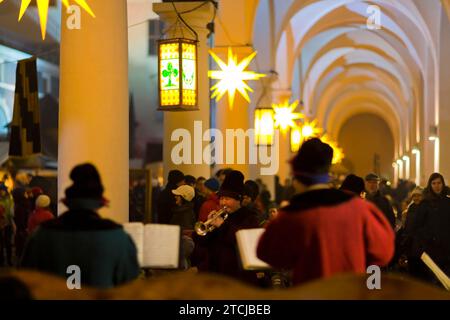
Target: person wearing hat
(323, 231)
(104, 252)
(212, 200)
(372, 184)
(220, 243)
(7, 225)
(183, 213)
(354, 184)
(40, 214)
(165, 203)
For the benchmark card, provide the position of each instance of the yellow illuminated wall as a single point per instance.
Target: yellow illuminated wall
(264, 126)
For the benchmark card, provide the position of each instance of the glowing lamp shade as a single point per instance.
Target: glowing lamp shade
(296, 139)
(177, 74)
(264, 126)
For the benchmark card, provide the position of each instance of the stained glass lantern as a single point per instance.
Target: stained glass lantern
(177, 75)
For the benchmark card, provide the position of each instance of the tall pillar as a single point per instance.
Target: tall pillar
(444, 100)
(280, 96)
(93, 113)
(234, 117)
(197, 19)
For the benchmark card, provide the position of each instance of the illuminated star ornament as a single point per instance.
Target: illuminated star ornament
(310, 129)
(338, 153)
(43, 5)
(285, 116)
(232, 77)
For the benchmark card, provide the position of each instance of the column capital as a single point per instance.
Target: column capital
(281, 95)
(197, 19)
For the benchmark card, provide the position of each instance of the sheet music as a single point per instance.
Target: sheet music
(442, 277)
(162, 246)
(136, 232)
(247, 240)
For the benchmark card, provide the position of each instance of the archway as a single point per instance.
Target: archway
(369, 144)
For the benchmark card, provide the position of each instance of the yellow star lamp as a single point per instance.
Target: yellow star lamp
(43, 5)
(232, 77)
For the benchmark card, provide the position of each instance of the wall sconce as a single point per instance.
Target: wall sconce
(296, 139)
(264, 126)
(433, 133)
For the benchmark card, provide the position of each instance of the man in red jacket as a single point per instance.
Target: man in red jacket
(212, 199)
(323, 231)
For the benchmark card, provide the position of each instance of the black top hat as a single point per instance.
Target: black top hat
(86, 183)
(313, 158)
(233, 185)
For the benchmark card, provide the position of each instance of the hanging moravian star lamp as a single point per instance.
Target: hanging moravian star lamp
(232, 77)
(43, 5)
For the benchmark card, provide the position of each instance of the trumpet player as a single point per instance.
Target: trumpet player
(218, 247)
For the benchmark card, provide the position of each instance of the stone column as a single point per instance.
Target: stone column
(93, 113)
(195, 122)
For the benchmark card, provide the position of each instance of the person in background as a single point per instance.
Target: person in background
(408, 243)
(324, 231)
(222, 173)
(183, 213)
(199, 197)
(22, 211)
(251, 192)
(212, 200)
(433, 221)
(166, 200)
(41, 214)
(374, 195)
(32, 195)
(104, 252)
(7, 226)
(190, 180)
(355, 185)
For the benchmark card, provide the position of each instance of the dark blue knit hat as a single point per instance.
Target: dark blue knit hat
(212, 184)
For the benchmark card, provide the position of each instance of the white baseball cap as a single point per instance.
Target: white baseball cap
(187, 192)
(42, 201)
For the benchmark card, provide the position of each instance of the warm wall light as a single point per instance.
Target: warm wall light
(407, 167)
(264, 126)
(177, 74)
(296, 139)
(232, 77)
(400, 168)
(416, 151)
(43, 5)
(433, 133)
(285, 116)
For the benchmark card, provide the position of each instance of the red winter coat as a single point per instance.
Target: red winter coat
(326, 232)
(212, 203)
(37, 217)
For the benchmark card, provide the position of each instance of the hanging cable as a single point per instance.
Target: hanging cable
(184, 22)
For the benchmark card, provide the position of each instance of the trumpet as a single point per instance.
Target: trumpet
(202, 228)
